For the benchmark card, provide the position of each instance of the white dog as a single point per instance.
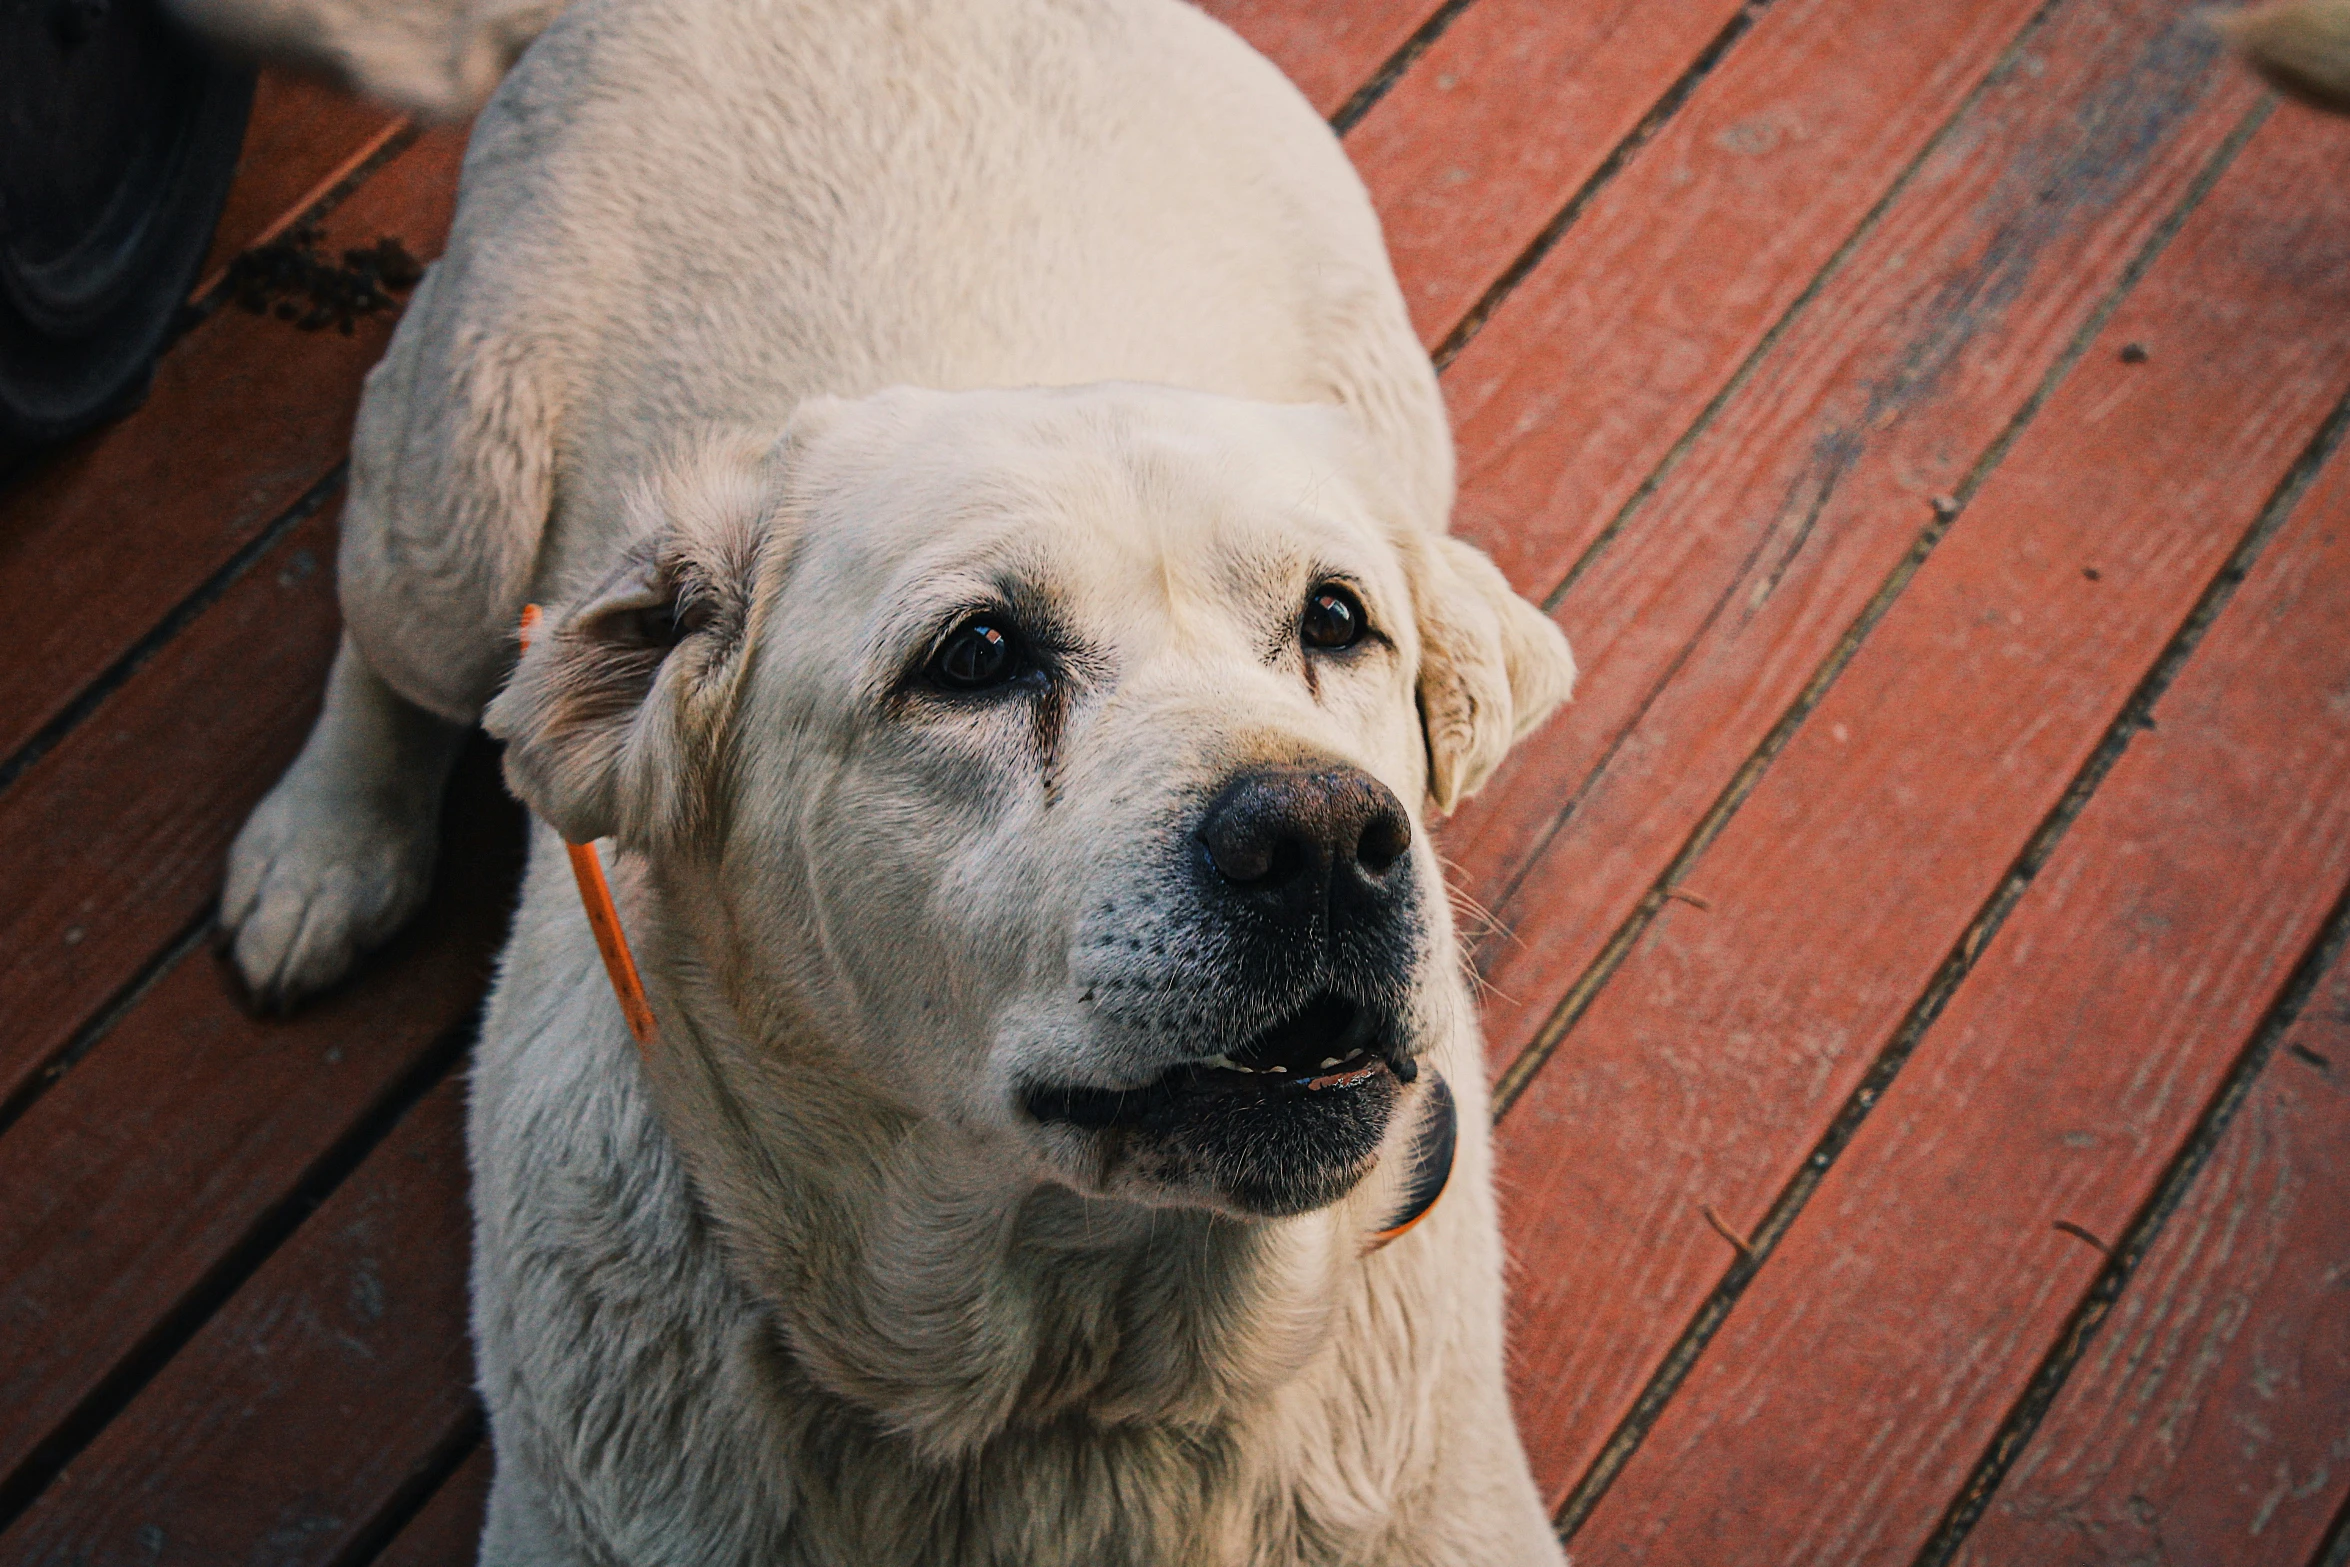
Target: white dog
(1015, 789)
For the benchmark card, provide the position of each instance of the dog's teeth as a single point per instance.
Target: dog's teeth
(1351, 1054)
(1226, 1063)
(1330, 1060)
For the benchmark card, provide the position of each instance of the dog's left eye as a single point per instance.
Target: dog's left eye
(1333, 619)
(978, 655)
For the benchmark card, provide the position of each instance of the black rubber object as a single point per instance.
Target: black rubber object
(118, 136)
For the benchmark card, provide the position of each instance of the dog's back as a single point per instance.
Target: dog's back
(1022, 204)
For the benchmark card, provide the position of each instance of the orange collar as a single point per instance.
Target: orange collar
(587, 868)
(1431, 1167)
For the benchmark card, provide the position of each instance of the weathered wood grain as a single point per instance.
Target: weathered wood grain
(2208, 1421)
(1490, 133)
(302, 135)
(1707, 619)
(1328, 50)
(1866, 1368)
(1586, 377)
(111, 844)
(447, 1533)
(310, 1405)
(104, 537)
(174, 1144)
(1706, 1070)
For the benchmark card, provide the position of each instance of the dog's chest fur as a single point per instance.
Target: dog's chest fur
(664, 1413)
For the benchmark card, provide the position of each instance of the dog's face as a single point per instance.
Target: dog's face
(1059, 761)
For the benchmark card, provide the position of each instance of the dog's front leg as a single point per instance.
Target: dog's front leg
(340, 853)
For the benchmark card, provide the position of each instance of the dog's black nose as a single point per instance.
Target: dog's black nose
(1299, 838)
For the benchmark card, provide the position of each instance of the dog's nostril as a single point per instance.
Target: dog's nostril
(1385, 838)
(1241, 862)
(1247, 848)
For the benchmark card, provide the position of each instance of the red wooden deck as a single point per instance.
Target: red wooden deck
(1917, 977)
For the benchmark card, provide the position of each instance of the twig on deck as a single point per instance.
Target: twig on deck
(1725, 1232)
(2079, 1233)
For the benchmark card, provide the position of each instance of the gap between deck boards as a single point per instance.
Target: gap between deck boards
(1759, 1243)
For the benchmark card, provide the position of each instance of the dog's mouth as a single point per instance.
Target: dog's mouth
(1288, 1121)
(1328, 1045)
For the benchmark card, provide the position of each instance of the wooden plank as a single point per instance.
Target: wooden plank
(1704, 622)
(1328, 50)
(1866, 1369)
(1492, 131)
(448, 1532)
(247, 416)
(310, 1406)
(2206, 1421)
(111, 844)
(302, 134)
(173, 1144)
(1599, 361)
(1705, 1071)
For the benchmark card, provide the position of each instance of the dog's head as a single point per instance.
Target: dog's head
(1060, 760)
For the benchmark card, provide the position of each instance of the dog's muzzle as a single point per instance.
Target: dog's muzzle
(1301, 883)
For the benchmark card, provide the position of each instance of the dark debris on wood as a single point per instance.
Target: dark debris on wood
(292, 279)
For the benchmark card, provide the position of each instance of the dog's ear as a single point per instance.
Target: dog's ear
(1492, 666)
(615, 718)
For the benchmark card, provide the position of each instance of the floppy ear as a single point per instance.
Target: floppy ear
(1492, 666)
(615, 719)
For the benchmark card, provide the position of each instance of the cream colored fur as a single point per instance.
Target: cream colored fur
(2300, 47)
(439, 58)
(806, 1285)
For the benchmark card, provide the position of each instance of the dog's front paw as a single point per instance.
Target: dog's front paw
(317, 877)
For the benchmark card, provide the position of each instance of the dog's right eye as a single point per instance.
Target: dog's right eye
(978, 655)
(1333, 618)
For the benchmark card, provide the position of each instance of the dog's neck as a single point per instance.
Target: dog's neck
(934, 1280)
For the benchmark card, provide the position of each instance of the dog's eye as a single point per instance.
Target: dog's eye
(1334, 618)
(982, 652)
